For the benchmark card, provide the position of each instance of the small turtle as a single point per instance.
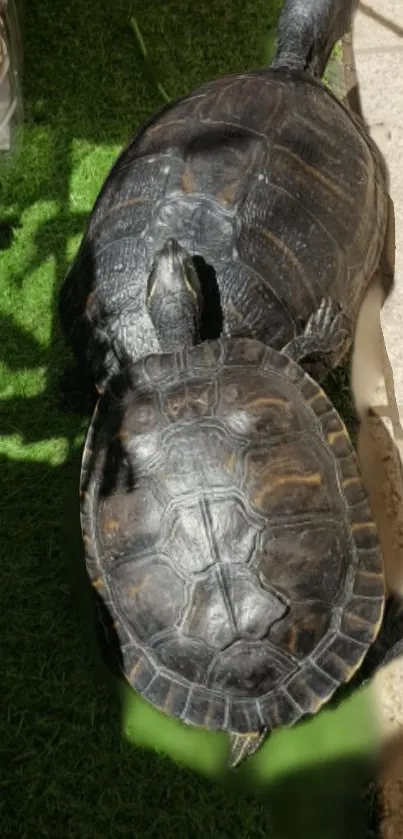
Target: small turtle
(227, 532)
(272, 186)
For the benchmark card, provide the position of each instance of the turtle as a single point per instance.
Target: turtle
(228, 536)
(271, 185)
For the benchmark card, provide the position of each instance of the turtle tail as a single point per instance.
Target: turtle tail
(307, 32)
(243, 746)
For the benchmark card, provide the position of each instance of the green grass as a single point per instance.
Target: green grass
(65, 769)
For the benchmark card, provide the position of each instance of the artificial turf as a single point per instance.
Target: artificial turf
(65, 769)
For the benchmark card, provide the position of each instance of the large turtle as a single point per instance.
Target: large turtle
(272, 186)
(227, 532)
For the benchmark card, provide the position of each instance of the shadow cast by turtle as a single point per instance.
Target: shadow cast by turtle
(383, 475)
(326, 801)
(212, 317)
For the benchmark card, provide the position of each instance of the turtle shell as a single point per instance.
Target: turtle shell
(268, 180)
(228, 535)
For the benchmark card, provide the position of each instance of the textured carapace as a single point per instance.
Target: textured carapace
(264, 177)
(228, 534)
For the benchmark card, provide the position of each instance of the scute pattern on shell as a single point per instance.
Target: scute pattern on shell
(228, 533)
(267, 178)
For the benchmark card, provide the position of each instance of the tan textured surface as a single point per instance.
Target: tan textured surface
(388, 688)
(391, 789)
(378, 45)
(379, 437)
(382, 474)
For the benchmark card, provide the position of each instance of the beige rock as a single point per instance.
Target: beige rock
(388, 693)
(378, 44)
(387, 687)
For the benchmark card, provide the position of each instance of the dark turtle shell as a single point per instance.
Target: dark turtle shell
(229, 536)
(268, 180)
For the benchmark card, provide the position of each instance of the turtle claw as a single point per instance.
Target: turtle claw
(243, 746)
(326, 334)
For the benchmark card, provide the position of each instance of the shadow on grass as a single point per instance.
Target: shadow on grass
(65, 770)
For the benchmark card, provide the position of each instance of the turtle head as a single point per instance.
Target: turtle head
(174, 297)
(307, 32)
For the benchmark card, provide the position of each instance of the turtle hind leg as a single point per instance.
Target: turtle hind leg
(327, 334)
(243, 746)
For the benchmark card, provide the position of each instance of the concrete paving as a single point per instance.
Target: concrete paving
(378, 49)
(378, 52)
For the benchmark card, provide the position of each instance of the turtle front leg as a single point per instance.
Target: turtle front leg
(244, 745)
(327, 333)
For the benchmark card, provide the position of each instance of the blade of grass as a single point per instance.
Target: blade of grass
(149, 69)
